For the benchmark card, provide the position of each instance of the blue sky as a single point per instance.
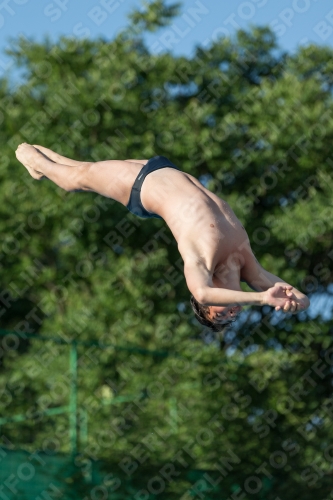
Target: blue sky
(296, 22)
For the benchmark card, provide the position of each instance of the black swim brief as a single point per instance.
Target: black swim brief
(134, 205)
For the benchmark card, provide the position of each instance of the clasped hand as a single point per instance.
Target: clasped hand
(286, 298)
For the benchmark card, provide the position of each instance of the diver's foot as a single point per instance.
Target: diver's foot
(49, 154)
(31, 159)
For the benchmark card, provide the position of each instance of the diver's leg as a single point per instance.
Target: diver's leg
(143, 162)
(112, 178)
(57, 158)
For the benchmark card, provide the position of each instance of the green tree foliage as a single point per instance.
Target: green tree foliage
(153, 15)
(257, 125)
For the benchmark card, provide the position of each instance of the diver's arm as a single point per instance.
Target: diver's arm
(261, 280)
(200, 284)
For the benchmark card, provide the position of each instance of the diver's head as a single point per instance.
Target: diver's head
(218, 318)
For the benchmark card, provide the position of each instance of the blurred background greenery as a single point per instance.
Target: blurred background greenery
(255, 125)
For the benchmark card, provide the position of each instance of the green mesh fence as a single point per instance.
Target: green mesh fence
(38, 476)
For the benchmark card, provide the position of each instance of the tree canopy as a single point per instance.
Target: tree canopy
(255, 125)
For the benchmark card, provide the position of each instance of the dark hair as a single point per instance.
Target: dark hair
(200, 313)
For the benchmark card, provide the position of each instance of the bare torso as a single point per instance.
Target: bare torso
(205, 227)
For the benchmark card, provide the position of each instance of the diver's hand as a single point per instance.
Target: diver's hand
(282, 298)
(302, 300)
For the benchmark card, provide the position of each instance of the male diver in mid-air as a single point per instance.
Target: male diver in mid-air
(211, 240)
